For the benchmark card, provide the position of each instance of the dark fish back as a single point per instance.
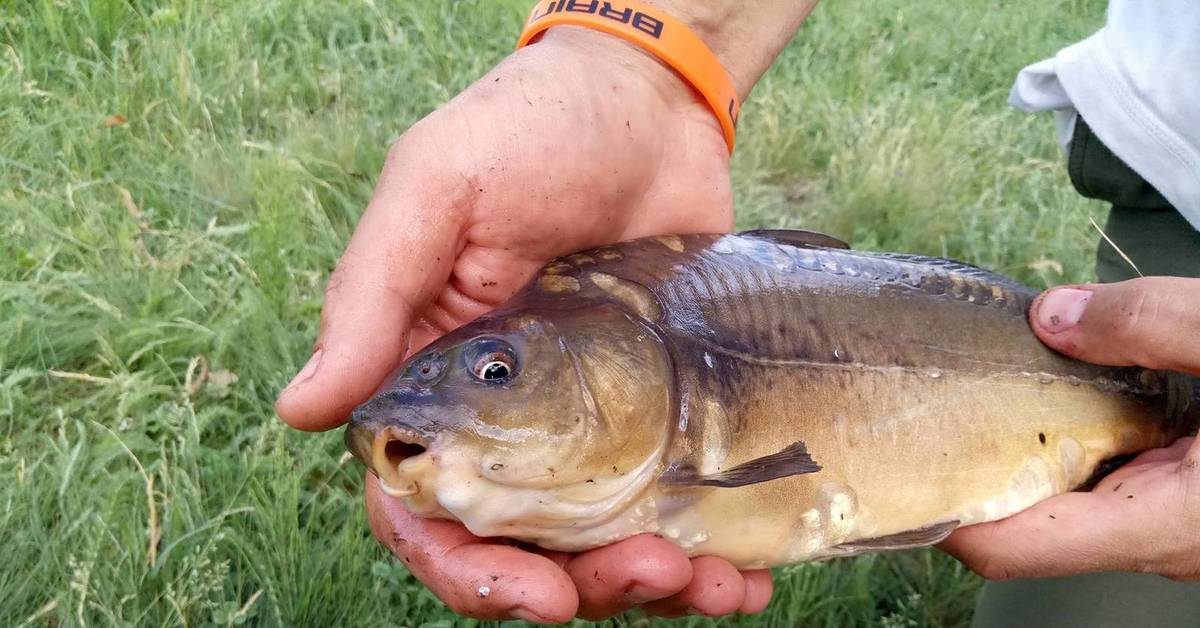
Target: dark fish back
(769, 302)
(764, 301)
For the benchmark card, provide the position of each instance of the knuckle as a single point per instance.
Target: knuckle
(1146, 308)
(1148, 318)
(337, 279)
(990, 568)
(1145, 565)
(398, 151)
(1129, 324)
(1135, 311)
(335, 292)
(995, 572)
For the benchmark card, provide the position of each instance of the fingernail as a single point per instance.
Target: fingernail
(1062, 309)
(525, 614)
(640, 594)
(309, 369)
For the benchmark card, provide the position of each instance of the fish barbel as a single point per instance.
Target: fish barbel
(769, 397)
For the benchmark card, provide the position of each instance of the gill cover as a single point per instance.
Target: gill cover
(591, 400)
(562, 454)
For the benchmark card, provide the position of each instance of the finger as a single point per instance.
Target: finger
(397, 261)
(1171, 453)
(716, 589)
(759, 587)
(1069, 534)
(618, 577)
(473, 577)
(560, 559)
(1163, 458)
(1149, 322)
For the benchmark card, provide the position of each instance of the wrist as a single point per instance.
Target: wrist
(745, 35)
(668, 39)
(748, 37)
(594, 46)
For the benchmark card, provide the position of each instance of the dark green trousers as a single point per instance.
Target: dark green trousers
(1161, 242)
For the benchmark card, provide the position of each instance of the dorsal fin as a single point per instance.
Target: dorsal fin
(797, 237)
(792, 460)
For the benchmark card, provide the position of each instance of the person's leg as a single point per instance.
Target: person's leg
(1119, 600)
(1160, 242)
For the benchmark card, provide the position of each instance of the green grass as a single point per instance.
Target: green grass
(161, 279)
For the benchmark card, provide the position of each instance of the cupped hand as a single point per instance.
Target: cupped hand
(1143, 517)
(492, 579)
(576, 141)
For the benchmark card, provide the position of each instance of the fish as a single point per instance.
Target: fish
(769, 397)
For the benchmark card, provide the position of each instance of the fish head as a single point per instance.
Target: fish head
(526, 421)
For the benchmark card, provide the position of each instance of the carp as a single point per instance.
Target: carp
(769, 397)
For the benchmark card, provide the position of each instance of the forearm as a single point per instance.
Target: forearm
(746, 35)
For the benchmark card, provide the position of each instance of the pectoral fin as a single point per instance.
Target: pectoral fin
(921, 537)
(792, 460)
(797, 237)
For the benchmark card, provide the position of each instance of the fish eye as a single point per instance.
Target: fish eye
(493, 369)
(491, 361)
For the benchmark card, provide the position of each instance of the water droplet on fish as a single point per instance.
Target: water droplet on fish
(708, 359)
(837, 354)
(935, 374)
(484, 591)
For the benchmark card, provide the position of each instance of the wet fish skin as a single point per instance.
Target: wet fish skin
(913, 384)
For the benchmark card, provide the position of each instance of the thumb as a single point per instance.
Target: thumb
(1139, 518)
(399, 258)
(1068, 534)
(1152, 322)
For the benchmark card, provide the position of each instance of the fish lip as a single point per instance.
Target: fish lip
(364, 438)
(389, 411)
(391, 491)
(368, 441)
(358, 441)
(408, 470)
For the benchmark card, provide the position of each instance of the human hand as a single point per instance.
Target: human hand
(577, 141)
(490, 579)
(1143, 517)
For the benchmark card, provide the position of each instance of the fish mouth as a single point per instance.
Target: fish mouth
(396, 455)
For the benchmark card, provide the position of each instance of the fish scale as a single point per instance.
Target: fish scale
(823, 270)
(770, 397)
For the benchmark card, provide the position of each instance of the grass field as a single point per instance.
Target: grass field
(177, 178)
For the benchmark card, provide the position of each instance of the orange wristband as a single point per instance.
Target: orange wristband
(660, 34)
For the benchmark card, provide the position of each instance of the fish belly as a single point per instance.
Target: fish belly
(900, 449)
